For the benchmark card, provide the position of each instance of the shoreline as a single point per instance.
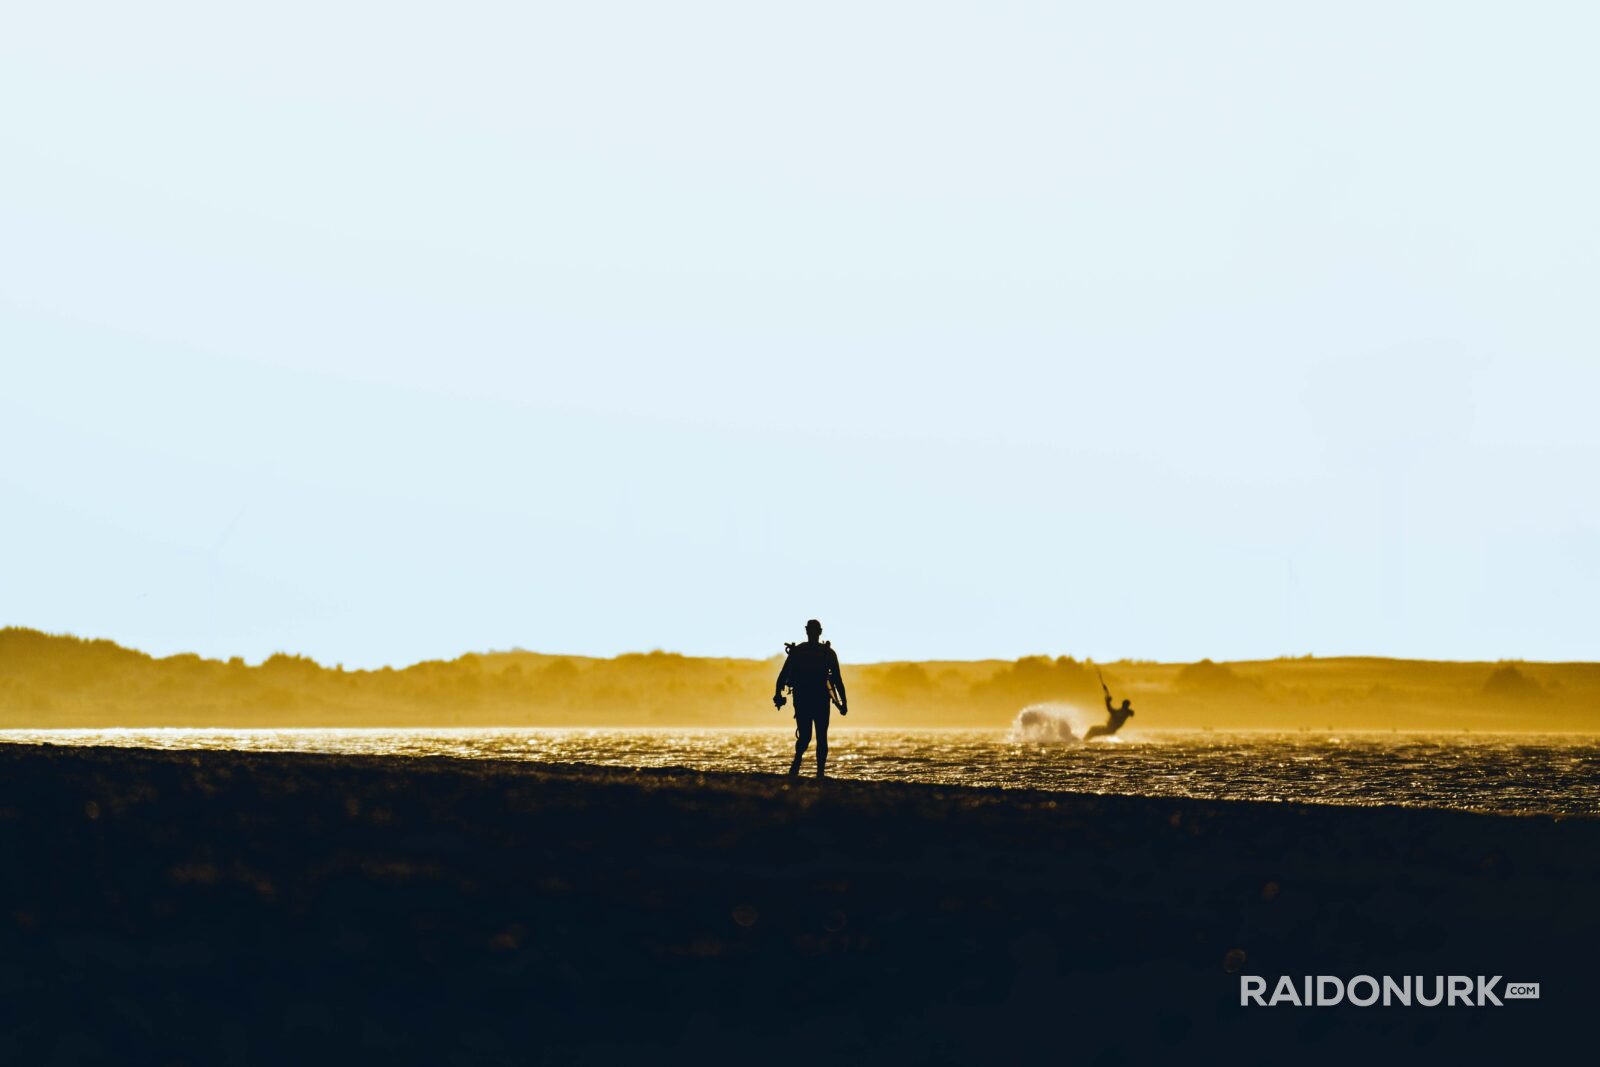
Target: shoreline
(1349, 772)
(1025, 797)
(172, 903)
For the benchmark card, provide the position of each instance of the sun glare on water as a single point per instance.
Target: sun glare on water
(1042, 750)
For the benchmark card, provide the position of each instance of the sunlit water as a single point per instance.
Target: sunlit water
(1526, 773)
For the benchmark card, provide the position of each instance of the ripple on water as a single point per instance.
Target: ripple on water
(1551, 773)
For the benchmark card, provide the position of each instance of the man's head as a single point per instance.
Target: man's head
(813, 629)
(1127, 706)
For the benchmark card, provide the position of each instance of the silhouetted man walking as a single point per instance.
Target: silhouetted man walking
(811, 673)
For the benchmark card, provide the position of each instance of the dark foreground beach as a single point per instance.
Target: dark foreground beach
(200, 908)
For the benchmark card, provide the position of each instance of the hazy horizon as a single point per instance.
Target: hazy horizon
(662, 649)
(59, 682)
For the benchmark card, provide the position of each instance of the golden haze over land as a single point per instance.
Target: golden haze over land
(50, 681)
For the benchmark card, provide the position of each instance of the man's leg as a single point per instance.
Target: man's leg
(822, 741)
(802, 737)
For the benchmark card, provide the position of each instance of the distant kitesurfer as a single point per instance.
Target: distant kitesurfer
(1118, 716)
(811, 673)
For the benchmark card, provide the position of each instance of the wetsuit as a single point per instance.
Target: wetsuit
(810, 668)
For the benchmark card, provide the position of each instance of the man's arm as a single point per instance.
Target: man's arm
(1108, 702)
(777, 689)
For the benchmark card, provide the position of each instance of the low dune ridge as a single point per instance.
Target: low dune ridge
(54, 681)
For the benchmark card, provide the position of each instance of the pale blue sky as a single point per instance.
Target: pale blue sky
(384, 331)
